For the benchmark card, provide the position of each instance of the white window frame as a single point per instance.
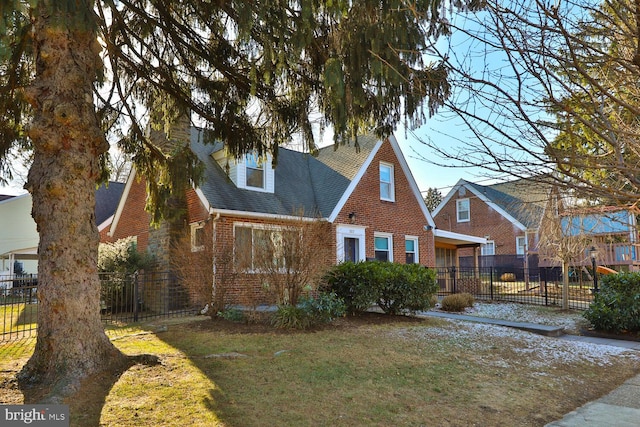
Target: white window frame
(389, 238)
(484, 248)
(459, 205)
(253, 227)
(195, 227)
(249, 160)
(521, 247)
(416, 253)
(350, 231)
(391, 184)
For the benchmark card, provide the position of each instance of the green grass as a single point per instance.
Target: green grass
(17, 317)
(215, 373)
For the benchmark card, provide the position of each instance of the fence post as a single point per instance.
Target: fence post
(135, 296)
(491, 283)
(454, 280)
(546, 294)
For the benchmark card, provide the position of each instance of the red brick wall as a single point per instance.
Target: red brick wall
(400, 218)
(134, 220)
(246, 288)
(484, 221)
(196, 212)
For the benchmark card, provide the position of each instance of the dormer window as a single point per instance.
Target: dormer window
(255, 171)
(250, 171)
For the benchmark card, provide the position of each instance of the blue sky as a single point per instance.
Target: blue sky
(426, 174)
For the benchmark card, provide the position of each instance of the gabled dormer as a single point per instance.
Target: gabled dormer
(250, 172)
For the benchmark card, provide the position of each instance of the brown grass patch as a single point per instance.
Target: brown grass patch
(372, 370)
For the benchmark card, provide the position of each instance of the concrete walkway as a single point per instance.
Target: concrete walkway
(620, 408)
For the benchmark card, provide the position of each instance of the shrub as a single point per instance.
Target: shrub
(309, 312)
(405, 287)
(291, 317)
(324, 308)
(231, 314)
(616, 307)
(457, 302)
(121, 256)
(394, 287)
(352, 281)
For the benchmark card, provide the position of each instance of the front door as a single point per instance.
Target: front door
(350, 243)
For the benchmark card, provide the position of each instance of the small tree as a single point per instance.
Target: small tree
(433, 198)
(121, 256)
(293, 258)
(194, 262)
(564, 238)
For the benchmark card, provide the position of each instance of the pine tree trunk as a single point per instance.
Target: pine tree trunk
(71, 342)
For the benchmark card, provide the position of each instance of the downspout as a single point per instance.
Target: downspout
(213, 276)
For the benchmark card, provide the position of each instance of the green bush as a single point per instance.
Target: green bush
(324, 308)
(352, 281)
(231, 314)
(309, 312)
(121, 256)
(405, 287)
(394, 287)
(616, 307)
(457, 302)
(291, 317)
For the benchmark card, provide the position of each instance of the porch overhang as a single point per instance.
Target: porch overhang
(457, 239)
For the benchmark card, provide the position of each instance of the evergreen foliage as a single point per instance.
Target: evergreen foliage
(394, 287)
(253, 73)
(616, 305)
(432, 198)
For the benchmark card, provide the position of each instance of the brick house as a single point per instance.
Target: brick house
(508, 215)
(365, 197)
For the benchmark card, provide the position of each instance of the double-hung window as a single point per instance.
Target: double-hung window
(383, 246)
(255, 176)
(462, 210)
(489, 248)
(387, 191)
(411, 250)
(197, 237)
(521, 245)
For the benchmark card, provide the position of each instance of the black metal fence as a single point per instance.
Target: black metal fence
(124, 298)
(133, 297)
(18, 306)
(540, 286)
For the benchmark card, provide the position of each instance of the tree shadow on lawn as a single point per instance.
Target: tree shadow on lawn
(219, 400)
(88, 398)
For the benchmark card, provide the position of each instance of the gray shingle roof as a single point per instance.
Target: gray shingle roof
(107, 199)
(523, 199)
(302, 181)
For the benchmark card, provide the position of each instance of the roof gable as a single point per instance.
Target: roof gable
(522, 202)
(316, 186)
(107, 199)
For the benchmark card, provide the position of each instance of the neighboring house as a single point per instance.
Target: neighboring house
(367, 197)
(18, 233)
(507, 215)
(608, 233)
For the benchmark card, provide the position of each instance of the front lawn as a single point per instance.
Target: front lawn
(371, 370)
